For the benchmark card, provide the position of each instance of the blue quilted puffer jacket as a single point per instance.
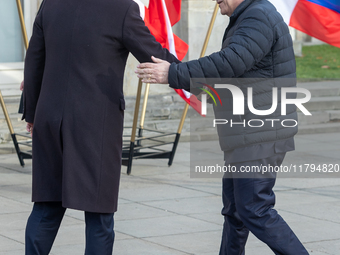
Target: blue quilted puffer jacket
(256, 44)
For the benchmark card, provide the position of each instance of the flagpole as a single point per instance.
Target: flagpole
(142, 117)
(211, 26)
(22, 23)
(134, 126)
(24, 35)
(204, 48)
(4, 109)
(185, 111)
(145, 102)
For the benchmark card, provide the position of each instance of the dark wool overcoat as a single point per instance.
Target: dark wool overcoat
(73, 94)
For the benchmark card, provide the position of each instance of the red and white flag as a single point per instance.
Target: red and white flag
(159, 18)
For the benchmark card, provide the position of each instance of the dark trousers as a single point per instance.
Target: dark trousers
(45, 219)
(248, 201)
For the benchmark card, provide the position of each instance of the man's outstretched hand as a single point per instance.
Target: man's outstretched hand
(156, 72)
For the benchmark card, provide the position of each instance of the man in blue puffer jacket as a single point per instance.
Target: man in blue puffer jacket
(256, 44)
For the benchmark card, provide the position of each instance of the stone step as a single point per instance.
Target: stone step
(12, 106)
(334, 115)
(323, 103)
(10, 90)
(160, 107)
(315, 118)
(319, 117)
(320, 128)
(322, 88)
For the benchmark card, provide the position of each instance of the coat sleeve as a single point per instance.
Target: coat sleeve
(34, 69)
(251, 41)
(139, 41)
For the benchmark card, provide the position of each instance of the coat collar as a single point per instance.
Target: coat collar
(240, 9)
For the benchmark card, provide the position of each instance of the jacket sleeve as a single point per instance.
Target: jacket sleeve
(251, 41)
(139, 41)
(34, 69)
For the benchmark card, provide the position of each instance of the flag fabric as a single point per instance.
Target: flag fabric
(159, 17)
(160, 23)
(174, 10)
(317, 18)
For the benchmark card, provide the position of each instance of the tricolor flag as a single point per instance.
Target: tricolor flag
(159, 18)
(317, 18)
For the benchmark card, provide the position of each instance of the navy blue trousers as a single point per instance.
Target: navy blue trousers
(248, 201)
(45, 219)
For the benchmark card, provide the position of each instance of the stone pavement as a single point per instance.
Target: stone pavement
(164, 211)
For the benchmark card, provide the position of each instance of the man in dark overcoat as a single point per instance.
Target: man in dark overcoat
(256, 45)
(74, 106)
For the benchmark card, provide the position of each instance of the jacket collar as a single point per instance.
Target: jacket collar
(240, 9)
